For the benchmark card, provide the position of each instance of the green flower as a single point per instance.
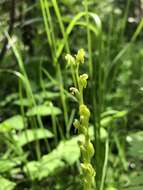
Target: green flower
(88, 169)
(70, 59)
(83, 80)
(90, 149)
(84, 111)
(76, 124)
(80, 56)
(74, 91)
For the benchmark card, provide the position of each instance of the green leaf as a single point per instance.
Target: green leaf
(111, 188)
(44, 110)
(135, 141)
(103, 133)
(23, 102)
(5, 184)
(67, 152)
(9, 98)
(109, 112)
(47, 95)
(15, 122)
(12, 163)
(105, 122)
(40, 96)
(6, 165)
(137, 179)
(30, 135)
(110, 116)
(44, 167)
(134, 188)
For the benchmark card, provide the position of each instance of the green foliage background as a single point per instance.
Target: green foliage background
(38, 144)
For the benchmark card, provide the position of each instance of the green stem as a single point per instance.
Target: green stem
(105, 164)
(88, 39)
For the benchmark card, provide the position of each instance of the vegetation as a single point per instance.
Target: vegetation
(48, 50)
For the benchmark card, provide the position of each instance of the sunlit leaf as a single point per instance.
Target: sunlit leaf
(6, 164)
(30, 135)
(15, 122)
(48, 95)
(66, 153)
(110, 116)
(135, 148)
(134, 188)
(44, 110)
(5, 184)
(23, 102)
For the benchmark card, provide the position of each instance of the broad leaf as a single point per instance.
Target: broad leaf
(6, 165)
(110, 116)
(135, 141)
(38, 97)
(15, 122)
(44, 110)
(23, 102)
(67, 152)
(47, 95)
(30, 135)
(5, 184)
(134, 188)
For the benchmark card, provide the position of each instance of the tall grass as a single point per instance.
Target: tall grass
(99, 70)
(102, 66)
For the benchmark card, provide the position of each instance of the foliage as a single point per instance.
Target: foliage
(38, 147)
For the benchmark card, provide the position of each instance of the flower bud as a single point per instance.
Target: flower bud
(90, 150)
(76, 124)
(70, 59)
(88, 169)
(84, 120)
(80, 56)
(83, 110)
(84, 130)
(83, 80)
(74, 91)
(83, 152)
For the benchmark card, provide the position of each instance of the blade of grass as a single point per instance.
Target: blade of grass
(105, 164)
(121, 53)
(58, 14)
(88, 40)
(29, 93)
(97, 28)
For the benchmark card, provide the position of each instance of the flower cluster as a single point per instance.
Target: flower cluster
(79, 58)
(82, 124)
(86, 147)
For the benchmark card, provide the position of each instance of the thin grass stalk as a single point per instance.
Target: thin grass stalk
(97, 100)
(125, 17)
(58, 14)
(56, 83)
(29, 94)
(105, 164)
(121, 53)
(71, 118)
(21, 105)
(54, 125)
(46, 22)
(16, 147)
(47, 27)
(90, 64)
(52, 37)
(63, 99)
(51, 28)
(63, 94)
(44, 90)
